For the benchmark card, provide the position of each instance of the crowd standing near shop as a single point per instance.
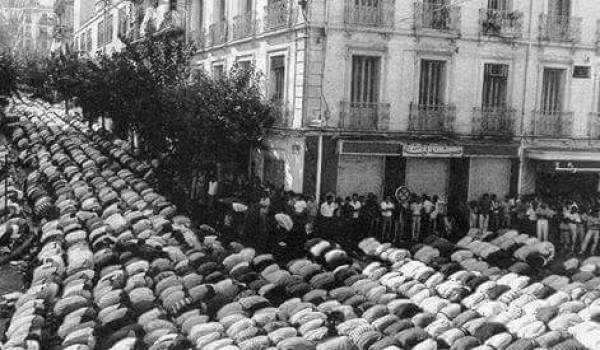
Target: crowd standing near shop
(248, 212)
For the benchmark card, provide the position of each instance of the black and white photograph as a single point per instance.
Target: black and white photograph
(299, 174)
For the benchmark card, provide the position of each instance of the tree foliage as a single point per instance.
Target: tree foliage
(187, 121)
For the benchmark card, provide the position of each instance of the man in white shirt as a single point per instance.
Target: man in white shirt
(213, 187)
(300, 204)
(356, 206)
(387, 210)
(327, 212)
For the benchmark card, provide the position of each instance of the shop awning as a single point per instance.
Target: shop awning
(562, 155)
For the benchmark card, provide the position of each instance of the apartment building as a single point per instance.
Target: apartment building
(27, 25)
(446, 97)
(64, 12)
(99, 24)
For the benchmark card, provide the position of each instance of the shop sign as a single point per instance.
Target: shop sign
(432, 151)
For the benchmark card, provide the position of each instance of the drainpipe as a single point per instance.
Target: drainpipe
(319, 167)
(523, 103)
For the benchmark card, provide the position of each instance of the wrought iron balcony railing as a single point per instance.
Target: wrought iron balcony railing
(244, 25)
(375, 13)
(560, 28)
(217, 33)
(501, 23)
(173, 21)
(284, 115)
(364, 116)
(198, 38)
(279, 15)
(593, 125)
(432, 118)
(552, 124)
(494, 121)
(437, 16)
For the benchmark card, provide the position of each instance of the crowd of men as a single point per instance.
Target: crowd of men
(272, 218)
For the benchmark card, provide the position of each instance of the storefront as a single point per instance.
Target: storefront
(561, 172)
(368, 167)
(428, 167)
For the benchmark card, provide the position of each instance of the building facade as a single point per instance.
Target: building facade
(64, 11)
(102, 25)
(27, 25)
(446, 97)
(99, 25)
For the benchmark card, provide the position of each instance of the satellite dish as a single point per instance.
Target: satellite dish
(402, 194)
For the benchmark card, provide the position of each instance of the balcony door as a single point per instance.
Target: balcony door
(552, 91)
(365, 79)
(362, 112)
(432, 83)
(245, 6)
(559, 8)
(495, 86)
(436, 14)
(499, 5)
(277, 79)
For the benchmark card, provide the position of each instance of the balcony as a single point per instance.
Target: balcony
(244, 25)
(173, 21)
(217, 33)
(283, 115)
(560, 28)
(198, 38)
(445, 18)
(370, 116)
(376, 14)
(506, 24)
(593, 125)
(434, 118)
(494, 121)
(552, 124)
(279, 15)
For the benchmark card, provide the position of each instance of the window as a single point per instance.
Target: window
(277, 78)
(500, 5)
(89, 39)
(552, 94)
(246, 6)
(122, 22)
(82, 42)
(365, 79)
(109, 29)
(436, 14)
(244, 65)
(559, 7)
(173, 5)
(100, 33)
(218, 71)
(220, 15)
(495, 85)
(432, 82)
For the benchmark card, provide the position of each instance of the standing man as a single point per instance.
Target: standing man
(213, 187)
(328, 211)
(387, 210)
(356, 205)
(416, 208)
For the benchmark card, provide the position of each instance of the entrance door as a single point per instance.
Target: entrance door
(458, 188)
(553, 183)
(274, 172)
(395, 174)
